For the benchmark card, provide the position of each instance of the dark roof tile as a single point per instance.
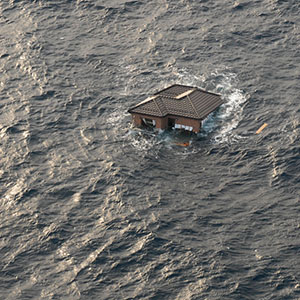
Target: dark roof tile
(197, 104)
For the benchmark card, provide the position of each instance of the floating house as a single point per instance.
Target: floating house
(176, 107)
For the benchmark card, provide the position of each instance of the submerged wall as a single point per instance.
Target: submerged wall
(162, 123)
(195, 124)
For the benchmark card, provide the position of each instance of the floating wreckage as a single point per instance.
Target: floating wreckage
(261, 128)
(176, 107)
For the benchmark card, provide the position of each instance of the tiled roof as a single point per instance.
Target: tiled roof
(179, 100)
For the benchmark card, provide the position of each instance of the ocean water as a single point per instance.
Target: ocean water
(93, 208)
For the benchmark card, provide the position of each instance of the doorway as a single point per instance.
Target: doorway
(171, 123)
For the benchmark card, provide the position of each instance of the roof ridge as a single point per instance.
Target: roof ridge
(186, 93)
(195, 110)
(144, 102)
(207, 92)
(157, 106)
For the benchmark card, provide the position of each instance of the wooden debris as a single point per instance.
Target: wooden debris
(262, 128)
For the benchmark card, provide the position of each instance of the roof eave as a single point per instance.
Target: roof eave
(166, 115)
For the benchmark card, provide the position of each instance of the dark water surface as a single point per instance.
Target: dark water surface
(92, 208)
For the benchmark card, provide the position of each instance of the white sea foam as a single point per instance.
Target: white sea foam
(143, 141)
(116, 118)
(14, 193)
